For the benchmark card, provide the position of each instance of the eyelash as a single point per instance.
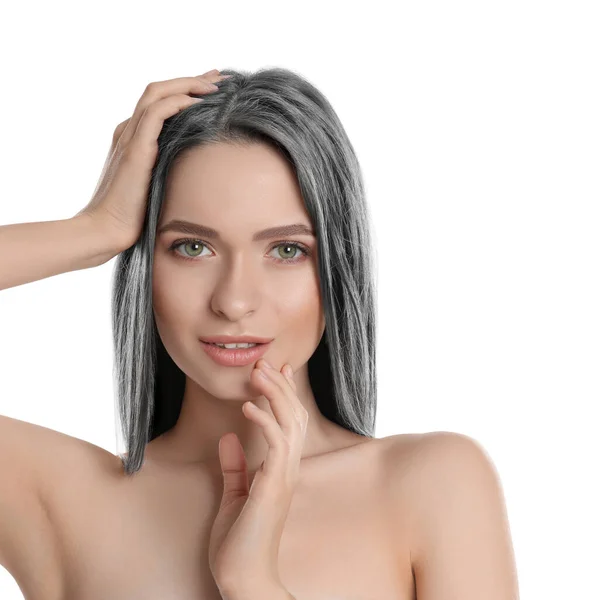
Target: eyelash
(304, 249)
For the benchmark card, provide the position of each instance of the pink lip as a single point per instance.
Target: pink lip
(236, 357)
(235, 339)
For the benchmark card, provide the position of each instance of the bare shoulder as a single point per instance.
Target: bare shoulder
(409, 450)
(58, 457)
(420, 465)
(412, 464)
(459, 537)
(39, 461)
(71, 466)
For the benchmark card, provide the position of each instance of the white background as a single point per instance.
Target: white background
(472, 122)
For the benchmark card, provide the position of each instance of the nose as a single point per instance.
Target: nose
(238, 293)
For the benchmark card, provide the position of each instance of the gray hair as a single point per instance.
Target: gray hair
(279, 107)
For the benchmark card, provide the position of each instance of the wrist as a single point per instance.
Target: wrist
(108, 243)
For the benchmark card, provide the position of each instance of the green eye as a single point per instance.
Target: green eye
(198, 252)
(292, 247)
(192, 243)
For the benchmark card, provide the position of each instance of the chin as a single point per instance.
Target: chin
(229, 388)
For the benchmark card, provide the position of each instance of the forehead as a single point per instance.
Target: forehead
(240, 179)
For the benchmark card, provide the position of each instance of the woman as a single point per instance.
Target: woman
(217, 497)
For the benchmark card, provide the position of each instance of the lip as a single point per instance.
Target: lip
(235, 339)
(235, 357)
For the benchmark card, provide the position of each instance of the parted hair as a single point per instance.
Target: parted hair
(279, 107)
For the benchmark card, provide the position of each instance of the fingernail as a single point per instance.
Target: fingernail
(290, 372)
(265, 364)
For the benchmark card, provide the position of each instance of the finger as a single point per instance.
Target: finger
(286, 373)
(119, 130)
(209, 76)
(281, 406)
(150, 124)
(282, 380)
(277, 460)
(158, 90)
(234, 466)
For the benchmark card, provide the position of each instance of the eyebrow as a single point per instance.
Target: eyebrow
(203, 231)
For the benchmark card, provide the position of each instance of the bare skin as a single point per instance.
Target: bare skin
(233, 285)
(370, 518)
(147, 537)
(150, 533)
(90, 531)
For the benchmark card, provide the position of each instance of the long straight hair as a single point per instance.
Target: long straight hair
(279, 107)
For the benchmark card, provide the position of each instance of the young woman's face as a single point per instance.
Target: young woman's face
(234, 283)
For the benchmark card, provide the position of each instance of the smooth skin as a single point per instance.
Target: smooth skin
(246, 534)
(460, 545)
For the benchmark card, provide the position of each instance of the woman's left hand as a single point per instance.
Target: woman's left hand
(246, 534)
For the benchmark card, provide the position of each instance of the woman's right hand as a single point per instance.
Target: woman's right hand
(119, 201)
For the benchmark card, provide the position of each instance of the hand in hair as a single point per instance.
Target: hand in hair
(246, 534)
(120, 199)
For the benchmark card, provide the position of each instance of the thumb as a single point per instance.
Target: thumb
(234, 467)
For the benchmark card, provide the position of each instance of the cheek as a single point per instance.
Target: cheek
(163, 294)
(174, 300)
(300, 309)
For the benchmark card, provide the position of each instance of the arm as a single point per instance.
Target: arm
(461, 544)
(32, 251)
